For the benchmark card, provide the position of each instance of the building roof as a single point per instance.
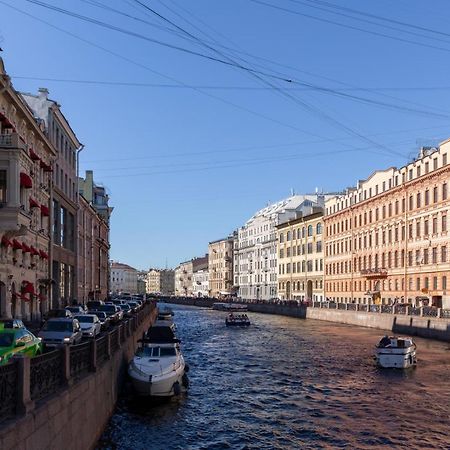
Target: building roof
(119, 265)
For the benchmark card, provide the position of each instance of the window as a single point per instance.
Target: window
(417, 229)
(444, 283)
(444, 253)
(418, 200)
(310, 230)
(281, 237)
(425, 227)
(435, 194)
(319, 228)
(444, 191)
(411, 202)
(435, 222)
(427, 197)
(444, 223)
(425, 256)
(3, 186)
(434, 255)
(288, 236)
(435, 163)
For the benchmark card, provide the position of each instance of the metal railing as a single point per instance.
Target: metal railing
(80, 359)
(46, 374)
(50, 372)
(8, 390)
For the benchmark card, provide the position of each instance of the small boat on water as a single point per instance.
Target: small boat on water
(158, 368)
(396, 352)
(165, 313)
(240, 320)
(235, 307)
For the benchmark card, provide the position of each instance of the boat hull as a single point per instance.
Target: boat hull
(396, 358)
(166, 385)
(237, 323)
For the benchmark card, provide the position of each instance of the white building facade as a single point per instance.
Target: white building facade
(200, 280)
(124, 278)
(255, 260)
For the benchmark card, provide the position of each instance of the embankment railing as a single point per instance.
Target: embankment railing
(27, 381)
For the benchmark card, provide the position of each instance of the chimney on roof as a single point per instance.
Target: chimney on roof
(43, 93)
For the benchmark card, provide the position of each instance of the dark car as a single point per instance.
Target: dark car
(58, 313)
(127, 312)
(94, 304)
(11, 323)
(112, 311)
(104, 319)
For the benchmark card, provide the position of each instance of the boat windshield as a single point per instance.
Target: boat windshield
(156, 352)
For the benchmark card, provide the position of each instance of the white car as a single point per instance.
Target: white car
(90, 325)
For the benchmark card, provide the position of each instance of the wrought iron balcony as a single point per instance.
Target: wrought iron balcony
(375, 274)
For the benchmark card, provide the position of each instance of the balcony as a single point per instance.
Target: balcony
(11, 140)
(374, 274)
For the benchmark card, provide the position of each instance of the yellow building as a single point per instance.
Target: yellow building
(300, 258)
(220, 267)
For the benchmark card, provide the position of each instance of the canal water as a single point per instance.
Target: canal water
(286, 383)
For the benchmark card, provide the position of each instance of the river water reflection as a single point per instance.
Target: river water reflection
(286, 383)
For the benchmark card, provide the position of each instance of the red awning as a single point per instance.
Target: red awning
(25, 248)
(46, 167)
(27, 287)
(16, 245)
(43, 254)
(6, 242)
(34, 203)
(34, 251)
(44, 210)
(25, 180)
(5, 120)
(33, 155)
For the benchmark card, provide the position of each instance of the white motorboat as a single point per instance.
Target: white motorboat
(158, 368)
(165, 313)
(396, 352)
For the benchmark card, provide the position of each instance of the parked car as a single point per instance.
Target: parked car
(94, 304)
(112, 311)
(14, 341)
(90, 325)
(104, 319)
(61, 331)
(127, 312)
(76, 309)
(11, 323)
(134, 306)
(58, 313)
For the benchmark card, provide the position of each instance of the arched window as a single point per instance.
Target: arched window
(288, 236)
(319, 228)
(310, 230)
(281, 237)
(303, 232)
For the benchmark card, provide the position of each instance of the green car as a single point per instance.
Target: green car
(18, 341)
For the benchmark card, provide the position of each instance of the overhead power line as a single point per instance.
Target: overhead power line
(350, 27)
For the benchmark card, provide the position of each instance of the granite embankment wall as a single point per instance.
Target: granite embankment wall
(75, 415)
(427, 327)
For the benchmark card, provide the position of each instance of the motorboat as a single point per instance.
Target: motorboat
(165, 313)
(158, 368)
(230, 307)
(239, 320)
(396, 352)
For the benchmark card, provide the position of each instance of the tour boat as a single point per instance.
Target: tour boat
(237, 321)
(158, 368)
(396, 352)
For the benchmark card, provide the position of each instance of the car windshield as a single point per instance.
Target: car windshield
(6, 339)
(58, 326)
(108, 308)
(73, 308)
(125, 307)
(86, 319)
(101, 315)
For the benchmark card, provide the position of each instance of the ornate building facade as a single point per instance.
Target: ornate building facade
(26, 162)
(300, 258)
(387, 239)
(220, 267)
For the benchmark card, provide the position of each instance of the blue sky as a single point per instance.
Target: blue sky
(188, 147)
